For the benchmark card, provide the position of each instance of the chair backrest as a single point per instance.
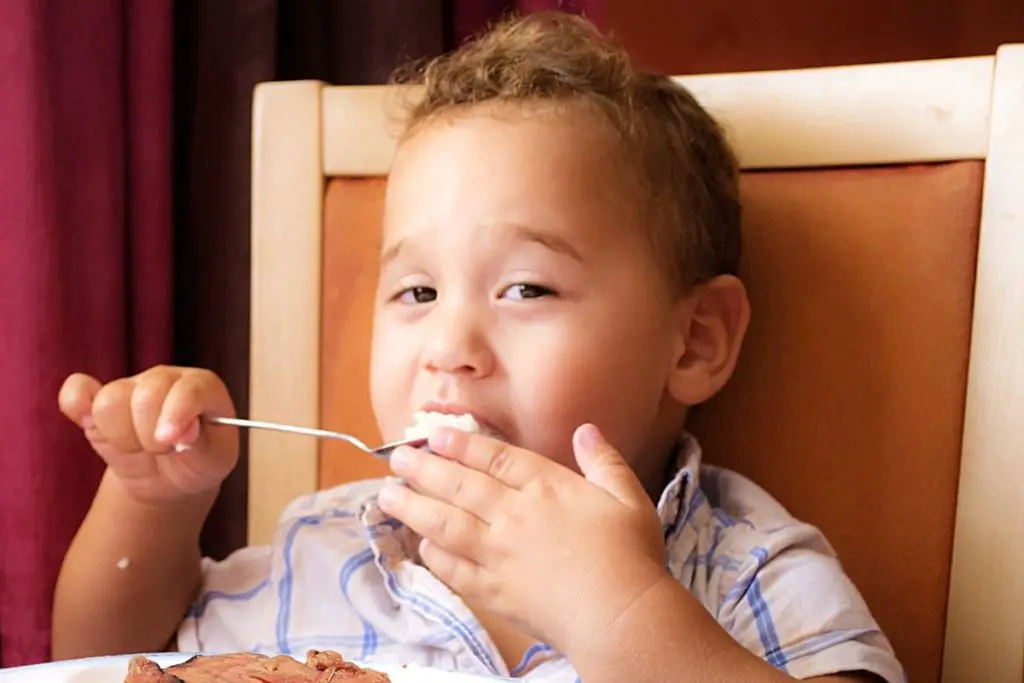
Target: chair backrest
(884, 403)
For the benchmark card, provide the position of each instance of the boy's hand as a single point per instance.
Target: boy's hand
(135, 423)
(558, 554)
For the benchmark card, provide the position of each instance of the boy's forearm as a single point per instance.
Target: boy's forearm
(666, 636)
(129, 575)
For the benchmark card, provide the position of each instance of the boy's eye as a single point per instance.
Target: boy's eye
(524, 290)
(417, 295)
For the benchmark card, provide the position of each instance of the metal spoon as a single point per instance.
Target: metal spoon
(379, 452)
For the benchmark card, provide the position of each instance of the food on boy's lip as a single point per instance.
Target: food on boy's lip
(322, 666)
(425, 422)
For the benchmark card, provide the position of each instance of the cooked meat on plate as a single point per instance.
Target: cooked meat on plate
(322, 666)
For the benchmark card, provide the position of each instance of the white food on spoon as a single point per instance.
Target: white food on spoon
(425, 422)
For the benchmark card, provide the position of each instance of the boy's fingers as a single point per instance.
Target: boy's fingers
(458, 573)
(195, 393)
(147, 402)
(514, 467)
(111, 413)
(601, 464)
(76, 398)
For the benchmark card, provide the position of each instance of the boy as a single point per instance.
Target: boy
(561, 239)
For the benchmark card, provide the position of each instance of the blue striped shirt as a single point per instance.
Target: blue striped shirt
(339, 575)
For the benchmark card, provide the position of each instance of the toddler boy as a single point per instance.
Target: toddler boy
(561, 241)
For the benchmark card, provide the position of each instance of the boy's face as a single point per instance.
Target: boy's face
(517, 284)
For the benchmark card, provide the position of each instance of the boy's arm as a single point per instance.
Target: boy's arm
(667, 636)
(129, 576)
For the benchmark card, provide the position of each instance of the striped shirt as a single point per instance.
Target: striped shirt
(338, 575)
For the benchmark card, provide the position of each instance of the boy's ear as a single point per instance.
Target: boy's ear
(713, 321)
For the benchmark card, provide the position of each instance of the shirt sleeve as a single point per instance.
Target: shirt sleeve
(792, 604)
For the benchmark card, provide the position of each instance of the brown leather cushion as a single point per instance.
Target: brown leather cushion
(352, 240)
(848, 400)
(847, 403)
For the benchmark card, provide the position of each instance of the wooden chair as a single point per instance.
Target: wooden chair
(881, 390)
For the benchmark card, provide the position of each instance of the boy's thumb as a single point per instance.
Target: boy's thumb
(601, 464)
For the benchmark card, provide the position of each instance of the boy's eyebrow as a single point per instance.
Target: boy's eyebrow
(546, 239)
(516, 231)
(391, 252)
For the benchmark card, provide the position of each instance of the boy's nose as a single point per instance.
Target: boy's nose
(459, 347)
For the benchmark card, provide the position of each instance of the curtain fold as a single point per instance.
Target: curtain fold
(85, 262)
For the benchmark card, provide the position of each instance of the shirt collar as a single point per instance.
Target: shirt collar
(681, 496)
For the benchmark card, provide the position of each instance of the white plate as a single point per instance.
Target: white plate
(114, 669)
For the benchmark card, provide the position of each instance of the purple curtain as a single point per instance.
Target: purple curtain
(85, 263)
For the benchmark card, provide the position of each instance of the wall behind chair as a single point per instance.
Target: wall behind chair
(685, 36)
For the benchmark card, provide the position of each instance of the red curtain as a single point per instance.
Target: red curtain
(85, 263)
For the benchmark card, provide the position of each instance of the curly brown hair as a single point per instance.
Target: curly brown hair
(687, 169)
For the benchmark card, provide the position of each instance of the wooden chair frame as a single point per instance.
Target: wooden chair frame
(305, 133)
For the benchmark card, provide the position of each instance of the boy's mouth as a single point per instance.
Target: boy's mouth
(432, 416)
